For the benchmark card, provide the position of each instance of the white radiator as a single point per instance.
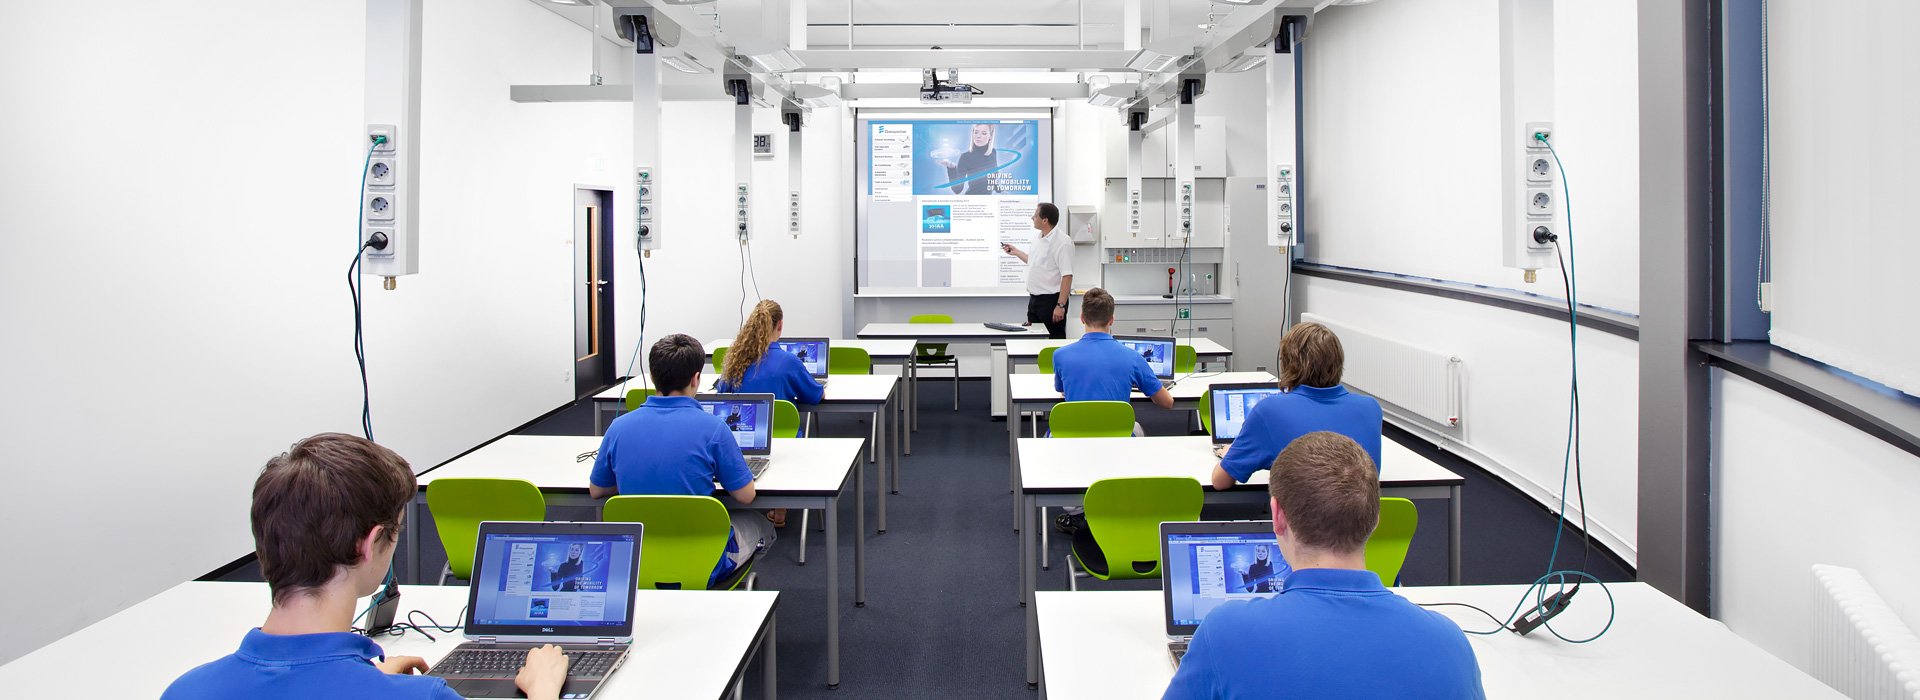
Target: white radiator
(1858, 645)
(1414, 378)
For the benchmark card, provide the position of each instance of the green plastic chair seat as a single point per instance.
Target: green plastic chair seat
(684, 538)
(1206, 411)
(1045, 360)
(1089, 419)
(638, 397)
(1184, 359)
(931, 353)
(719, 360)
(459, 506)
(1387, 548)
(786, 419)
(1121, 540)
(848, 361)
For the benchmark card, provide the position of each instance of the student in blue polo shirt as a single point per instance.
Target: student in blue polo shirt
(1310, 365)
(670, 446)
(1333, 631)
(1098, 368)
(326, 519)
(754, 366)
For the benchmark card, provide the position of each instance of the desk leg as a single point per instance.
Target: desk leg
(894, 457)
(1013, 453)
(599, 422)
(1033, 618)
(769, 663)
(1453, 536)
(885, 485)
(859, 544)
(833, 592)
(413, 536)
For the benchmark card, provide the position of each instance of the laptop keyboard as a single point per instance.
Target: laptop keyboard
(1178, 651)
(757, 465)
(505, 663)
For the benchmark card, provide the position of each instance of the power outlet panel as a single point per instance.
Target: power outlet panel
(1186, 209)
(742, 212)
(645, 187)
(1541, 198)
(1285, 180)
(1133, 212)
(793, 213)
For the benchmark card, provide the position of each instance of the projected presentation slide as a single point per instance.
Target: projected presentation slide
(943, 194)
(554, 580)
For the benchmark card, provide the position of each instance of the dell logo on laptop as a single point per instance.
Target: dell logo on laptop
(546, 629)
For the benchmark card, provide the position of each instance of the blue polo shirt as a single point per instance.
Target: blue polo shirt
(326, 665)
(1098, 368)
(669, 446)
(778, 373)
(1330, 633)
(1277, 420)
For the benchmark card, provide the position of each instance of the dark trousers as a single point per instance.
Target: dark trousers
(1040, 310)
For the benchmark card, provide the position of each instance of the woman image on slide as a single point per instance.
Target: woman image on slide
(979, 157)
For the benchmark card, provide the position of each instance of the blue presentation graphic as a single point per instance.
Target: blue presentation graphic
(975, 157)
(936, 218)
(571, 566)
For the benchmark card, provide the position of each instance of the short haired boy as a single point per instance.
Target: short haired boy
(1311, 362)
(670, 446)
(326, 517)
(1098, 368)
(1333, 631)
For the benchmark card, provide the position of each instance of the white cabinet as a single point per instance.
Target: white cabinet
(1159, 217)
(1211, 321)
(1156, 151)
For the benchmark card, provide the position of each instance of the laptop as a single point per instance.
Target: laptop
(570, 584)
(1231, 402)
(1157, 351)
(750, 417)
(813, 352)
(1207, 564)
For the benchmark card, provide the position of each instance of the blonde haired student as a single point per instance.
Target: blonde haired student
(754, 366)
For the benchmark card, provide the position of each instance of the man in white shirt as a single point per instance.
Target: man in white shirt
(1049, 271)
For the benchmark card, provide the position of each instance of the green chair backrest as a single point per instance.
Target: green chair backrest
(460, 505)
(1387, 548)
(1206, 411)
(1087, 419)
(848, 361)
(933, 351)
(1124, 517)
(684, 538)
(637, 397)
(1184, 359)
(719, 360)
(1045, 360)
(786, 419)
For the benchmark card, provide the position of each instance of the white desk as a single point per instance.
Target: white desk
(687, 644)
(898, 353)
(1026, 351)
(1056, 472)
(870, 394)
(1112, 644)
(1034, 393)
(945, 332)
(803, 473)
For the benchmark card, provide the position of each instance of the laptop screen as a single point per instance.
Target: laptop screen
(1158, 352)
(749, 416)
(1207, 569)
(811, 351)
(1231, 402)
(552, 578)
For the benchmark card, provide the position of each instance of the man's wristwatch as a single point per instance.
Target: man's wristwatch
(1060, 305)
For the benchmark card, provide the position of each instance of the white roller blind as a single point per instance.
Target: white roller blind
(1845, 125)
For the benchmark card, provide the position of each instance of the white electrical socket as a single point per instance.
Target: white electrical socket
(1533, 133)
(379, 206)
(1538, 169)
(380, 173)
(1539, 202)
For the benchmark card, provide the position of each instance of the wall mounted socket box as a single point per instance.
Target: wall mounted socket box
(742, 211)
(1285, 179)
(646, 228)
(793, 213)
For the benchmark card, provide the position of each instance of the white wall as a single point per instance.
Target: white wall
(177, 232)
(1516, 393)
(1794, 487)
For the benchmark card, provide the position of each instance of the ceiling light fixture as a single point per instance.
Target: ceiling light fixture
(781, 61)
(1149, 61)
(1245, 62)
(685, 64)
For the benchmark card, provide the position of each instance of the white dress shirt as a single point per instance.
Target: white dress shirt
(1050, 260)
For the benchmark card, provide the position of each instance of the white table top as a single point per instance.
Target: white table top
(687, 643)
(1039, 387)
(1024, 348)
(878, 349)
(1112, 644)
(798, 466)
(841, 388)
(946, 331)
(1070, 465)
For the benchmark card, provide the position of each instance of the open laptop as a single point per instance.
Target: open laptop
(750, 417)
(1206, 564)
(1230, 405)
(570, 584)
(813, 352)
(1157, 351)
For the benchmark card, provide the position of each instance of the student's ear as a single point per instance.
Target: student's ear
(1280, 525)
(368, 544)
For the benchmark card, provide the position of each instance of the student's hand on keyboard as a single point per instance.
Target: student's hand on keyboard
(543, 674)
(402, 665)
(1220, 450)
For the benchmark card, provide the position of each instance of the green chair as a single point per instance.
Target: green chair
(1184, 359)
(638, 397)
(935, 354)
(849, 361)
(1387, 548)
(1122, 538)
(786, 419)
(459, 506)
(1206, 411)
(719, 360)
(683, 540)
(1045, 360)
(1088, 419)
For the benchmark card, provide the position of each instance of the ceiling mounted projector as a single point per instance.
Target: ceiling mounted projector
(949, 91)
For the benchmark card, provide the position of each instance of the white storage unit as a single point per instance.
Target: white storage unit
(1156, 155)
(1207, 320)
(1157, 217)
